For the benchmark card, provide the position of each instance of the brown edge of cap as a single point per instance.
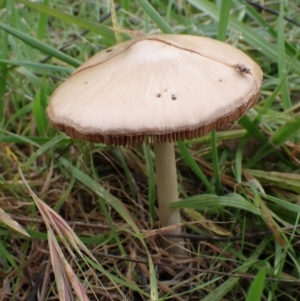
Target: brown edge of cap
(138, 139)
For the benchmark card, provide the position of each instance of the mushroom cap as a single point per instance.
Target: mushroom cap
(164, 87)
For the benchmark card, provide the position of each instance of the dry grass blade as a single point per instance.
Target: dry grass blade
(61, 268)
(115, 21)
(77, 286)
(266, 213)
(57, 257)
(206, 223)
(63, 230)
(4, 217)
(63, 285)
(68, 237)
(64, 275)
(7, 220)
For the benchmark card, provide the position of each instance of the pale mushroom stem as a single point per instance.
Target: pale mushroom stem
(167, 192)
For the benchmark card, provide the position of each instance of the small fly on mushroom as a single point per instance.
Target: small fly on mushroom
(242, 68)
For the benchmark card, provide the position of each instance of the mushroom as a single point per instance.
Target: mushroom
(159, 88)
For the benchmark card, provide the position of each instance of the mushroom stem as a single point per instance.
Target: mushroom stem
(167, 192)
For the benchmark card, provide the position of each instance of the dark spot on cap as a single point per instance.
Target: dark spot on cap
(158, 95)
(220, 80)
(85, 83)
(174, 97)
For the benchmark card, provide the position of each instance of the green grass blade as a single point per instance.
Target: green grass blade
(253, 129)
(249, 34)
(34, 65)
(187, 157)
(6, 256)
(117, 281)
(39, 113)
(215, 161)
(269, 101)
(15, 138)
(151, 181)
(95, 27)
(3, 80)
(42, 23)
(264, 23)
(257, 286)
(115, 22)
(287, 132)
(155, 16)
(282, 203)
(100, 191)
(282, 70)
(287, 181)
(16, 22)
(119, 155)
(223, 20)
(43, 149)
(203, 201)
(239, 159)
(219, 292)
(117, 205)
(35, 43)
(3, 73)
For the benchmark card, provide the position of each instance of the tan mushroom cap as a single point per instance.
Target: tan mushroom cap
(165, 87)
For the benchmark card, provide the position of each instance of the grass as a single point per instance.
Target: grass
(85, 214)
